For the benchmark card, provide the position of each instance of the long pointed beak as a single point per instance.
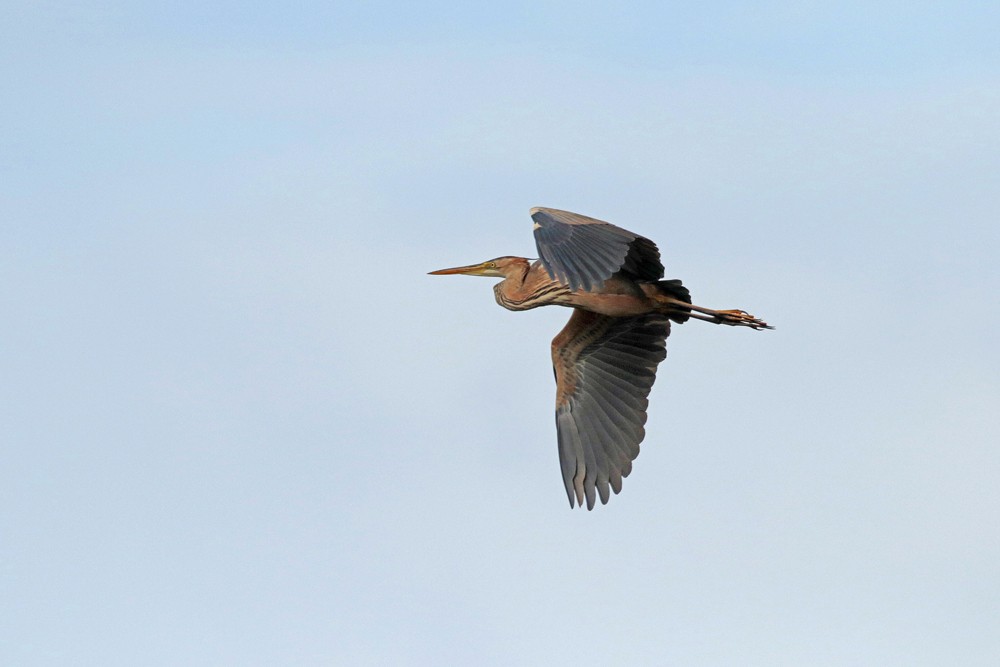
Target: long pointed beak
(472, 269)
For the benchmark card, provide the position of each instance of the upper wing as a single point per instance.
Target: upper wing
(605, 367)
(583, 252)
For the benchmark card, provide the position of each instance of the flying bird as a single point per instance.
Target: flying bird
(606, 356)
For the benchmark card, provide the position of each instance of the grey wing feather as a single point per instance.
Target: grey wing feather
(583, 252)
(605, 368)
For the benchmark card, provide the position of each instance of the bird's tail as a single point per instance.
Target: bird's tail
(675, 290)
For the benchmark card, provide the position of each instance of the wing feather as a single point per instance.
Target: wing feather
(605, 368)
(583, 252)
(571, 457)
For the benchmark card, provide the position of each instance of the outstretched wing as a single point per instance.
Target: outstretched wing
(583, 252)
(605, 367)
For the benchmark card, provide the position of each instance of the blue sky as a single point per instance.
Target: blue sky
(243, 426)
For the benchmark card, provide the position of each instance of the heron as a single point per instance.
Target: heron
(605, 358)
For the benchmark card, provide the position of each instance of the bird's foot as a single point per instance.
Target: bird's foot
(740, 318)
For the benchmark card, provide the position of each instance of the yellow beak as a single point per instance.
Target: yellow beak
(471, 270)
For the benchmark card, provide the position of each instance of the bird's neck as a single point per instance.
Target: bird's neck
(524, 289)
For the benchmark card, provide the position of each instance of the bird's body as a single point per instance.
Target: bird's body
(527, 285)
(606, 356)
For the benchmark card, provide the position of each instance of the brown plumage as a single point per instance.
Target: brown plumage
(606, 356)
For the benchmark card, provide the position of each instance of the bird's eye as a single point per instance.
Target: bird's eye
(492, 265)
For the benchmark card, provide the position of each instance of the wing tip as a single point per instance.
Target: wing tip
(540, 214)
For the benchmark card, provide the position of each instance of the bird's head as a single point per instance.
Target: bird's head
(501, 267)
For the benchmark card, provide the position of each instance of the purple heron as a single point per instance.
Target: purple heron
(605, 358)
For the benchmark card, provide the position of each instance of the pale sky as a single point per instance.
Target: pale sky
(242, 426)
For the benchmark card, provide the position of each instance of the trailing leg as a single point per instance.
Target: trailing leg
(733, 318)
